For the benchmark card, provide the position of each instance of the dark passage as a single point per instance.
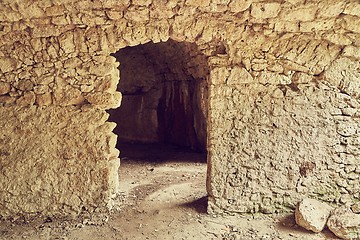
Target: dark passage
(165, 96)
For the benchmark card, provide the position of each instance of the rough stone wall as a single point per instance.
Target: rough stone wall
(43, 169)
(284, 91)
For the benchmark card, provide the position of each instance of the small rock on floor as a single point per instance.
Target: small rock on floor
(312, 214)
(345, 224)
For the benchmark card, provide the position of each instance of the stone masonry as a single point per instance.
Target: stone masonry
(284, 98)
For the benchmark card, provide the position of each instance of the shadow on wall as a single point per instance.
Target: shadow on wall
(165, 95)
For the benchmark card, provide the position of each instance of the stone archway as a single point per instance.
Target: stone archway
(165, 94)
(58, 78)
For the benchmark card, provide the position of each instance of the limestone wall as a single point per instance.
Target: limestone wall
(283, 105)
(56, 161)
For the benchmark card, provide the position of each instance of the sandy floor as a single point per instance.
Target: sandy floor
(162, 196)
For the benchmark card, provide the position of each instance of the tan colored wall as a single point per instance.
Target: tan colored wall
(56, 160)
(284, 94)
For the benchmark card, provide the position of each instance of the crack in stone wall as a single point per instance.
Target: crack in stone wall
(283, 104)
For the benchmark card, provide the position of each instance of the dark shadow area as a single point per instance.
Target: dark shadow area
(165, 100)
(159, 153)
(199, 205)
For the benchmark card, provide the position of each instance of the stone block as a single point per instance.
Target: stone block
(27, 99)
(7, 64)
(197, 3)
(44, 99)
(352, 51)
(345, 224)
(302, 13)
(104, 100)
(66, 42)
(265, 10)
(239, 5)
(352, 8)
(312, 214)
(4, 88)
(67, 96)
(239, 75)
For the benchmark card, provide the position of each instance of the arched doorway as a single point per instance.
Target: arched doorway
(163, 115)
(165, 95)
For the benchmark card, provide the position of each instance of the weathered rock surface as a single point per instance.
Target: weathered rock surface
(284, 112)
(345, 224)
(356, 207)
(312, 214)
(54, 176)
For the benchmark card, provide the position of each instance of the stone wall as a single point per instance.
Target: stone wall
(283, 117)
(56, 161)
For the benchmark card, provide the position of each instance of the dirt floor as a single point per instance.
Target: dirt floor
(163, 196)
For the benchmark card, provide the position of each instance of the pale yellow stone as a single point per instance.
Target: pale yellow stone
(314, 26)
(60, 20)
(139, 35)
(300, 77)
(293, 66)
(239, 5)
(44, 99)
(66, 42)
(275, 68)
(345, 224)
(72, 63)
(102, 69)
(142, 2)
(265, 10)
(68, 96)
(220, 2)
(351, 51)
(266, 77)
(356, 208)
(239, 75)
(303, 13)
(352, 8)
(107, 84)
(219, 75)
(25, 85)
(197, 3)
(339, 39)
(312, 214)
(115, 15)
(104, 100)
(86, 88)
(352, 23)
(295, 2)
(36, 43)
(7, 64)
(282, 26)
(31, 10)
(55, 10)
(4, 88)
(41, 89)
(27, 99)
(139, 14)
(330, 10)
(112, 3)
(79, 40)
